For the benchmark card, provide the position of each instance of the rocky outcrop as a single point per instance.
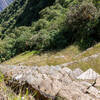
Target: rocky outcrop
(49, 82)
(90, 74)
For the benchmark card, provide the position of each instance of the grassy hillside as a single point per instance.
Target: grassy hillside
(47, 58)
(71, 53)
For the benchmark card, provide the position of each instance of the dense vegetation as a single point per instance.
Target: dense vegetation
(48, 24)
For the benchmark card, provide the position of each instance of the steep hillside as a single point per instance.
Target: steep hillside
(45, 25)
(29, 9)
(59, 36)
(4, 4)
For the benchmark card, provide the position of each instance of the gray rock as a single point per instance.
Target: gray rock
(77, 72)
(51, 82)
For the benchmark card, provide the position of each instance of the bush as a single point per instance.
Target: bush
(7, 49)
(41, 24)
(82, 19)
(1, 31)
(50, 13)
(23, 42)
(45, 40)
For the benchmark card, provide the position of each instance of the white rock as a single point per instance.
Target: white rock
(18, 77)
(77, 72)
(88, 75)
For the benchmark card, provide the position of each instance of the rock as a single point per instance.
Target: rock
(67, 70)
(90, 74)
(86, 84)
(93, 91)
(77, 72)
(97, 82)
(60, 56)
(2, 97)
(74, 91)
(51, 82)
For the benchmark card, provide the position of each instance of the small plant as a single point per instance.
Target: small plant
(1, 77)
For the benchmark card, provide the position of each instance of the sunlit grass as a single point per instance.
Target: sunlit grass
(94, 50)
(90, 63)
(10, 95)
(47, 58)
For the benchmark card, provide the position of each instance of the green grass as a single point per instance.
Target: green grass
(48, 58)
(55, 57)
(94, 50)
(10, 95)
(91, 63)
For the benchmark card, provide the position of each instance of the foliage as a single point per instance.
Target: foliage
(82, 17)
(48, 24)
(81, 21)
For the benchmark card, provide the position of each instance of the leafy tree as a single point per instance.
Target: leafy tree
(82, 19)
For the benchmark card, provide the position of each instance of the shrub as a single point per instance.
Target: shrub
(0, 31)
(64, 3)
(41, 24)
(7, 48)
(23, 42)
(45, 40)
(82, 18)
(50, 13)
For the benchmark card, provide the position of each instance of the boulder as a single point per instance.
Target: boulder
(90, 74)
(97, 82)
(74, 91)
(77, 72)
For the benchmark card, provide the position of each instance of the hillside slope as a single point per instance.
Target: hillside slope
(71, 54)
(64, 59)
(58, 33)
(40, 25)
